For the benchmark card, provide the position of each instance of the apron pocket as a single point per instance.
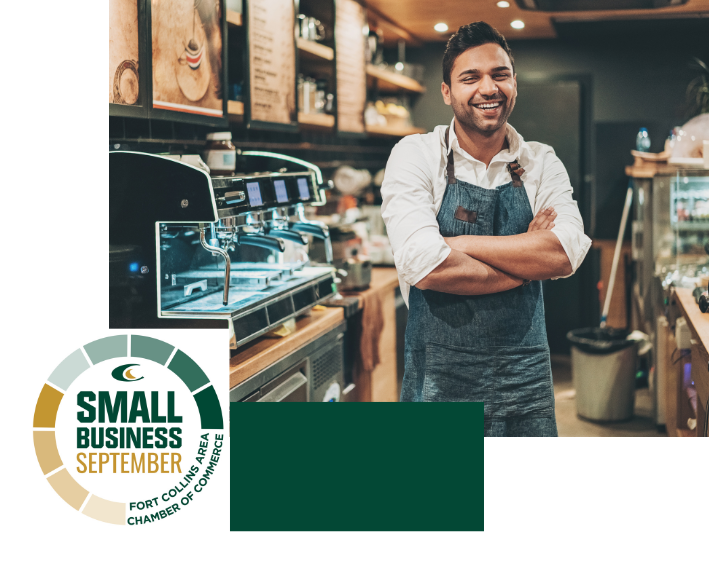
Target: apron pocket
(523, 385)
(456, 374)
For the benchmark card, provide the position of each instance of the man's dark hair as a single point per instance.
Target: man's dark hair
(468, 36)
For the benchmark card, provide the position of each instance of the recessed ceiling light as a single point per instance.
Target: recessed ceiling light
(517, 24)
(441, 27)
(503, 4)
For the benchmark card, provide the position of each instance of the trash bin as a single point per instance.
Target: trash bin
(603, 366)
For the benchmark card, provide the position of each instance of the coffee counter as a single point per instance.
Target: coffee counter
(371, 330)
(262, 352)
(381, 383)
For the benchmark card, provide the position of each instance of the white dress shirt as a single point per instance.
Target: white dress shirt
(415, 181)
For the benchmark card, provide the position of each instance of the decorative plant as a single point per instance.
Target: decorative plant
(698, 90)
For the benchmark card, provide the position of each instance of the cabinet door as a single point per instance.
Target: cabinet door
(293, 390)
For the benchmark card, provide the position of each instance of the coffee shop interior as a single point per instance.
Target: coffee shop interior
(252, 136)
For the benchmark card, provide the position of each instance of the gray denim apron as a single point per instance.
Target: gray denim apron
(488, 348)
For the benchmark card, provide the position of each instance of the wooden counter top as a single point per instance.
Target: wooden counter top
(380, 384)
(262, 352)
(383, 278)
(648, 165)
(698, 321)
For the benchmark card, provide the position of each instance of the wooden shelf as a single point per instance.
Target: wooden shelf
(312, 121)
(316, 120)
(235, 110)
(234, 18)
(375, 130)
(325, 121)
(316, 49)
(390, 81)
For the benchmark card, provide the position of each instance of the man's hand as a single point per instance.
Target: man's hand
(544, 220)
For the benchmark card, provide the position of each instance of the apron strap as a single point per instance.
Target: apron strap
(516, 173)
(514, 167)
(450, 166)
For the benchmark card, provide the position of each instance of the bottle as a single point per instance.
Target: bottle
(642, 141)
(312, 89)
(320, 95)
(300, 87)
(220, 153)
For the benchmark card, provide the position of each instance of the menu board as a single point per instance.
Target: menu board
(271, 61)
(351, 73)
(187, 56)
(123, 77)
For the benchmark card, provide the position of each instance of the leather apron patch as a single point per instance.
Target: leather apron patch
(465, 215)
(516, 173)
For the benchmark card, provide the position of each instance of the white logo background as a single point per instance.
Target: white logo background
(126, 487)
(51, 520)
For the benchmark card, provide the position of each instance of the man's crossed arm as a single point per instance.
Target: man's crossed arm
(478, 265)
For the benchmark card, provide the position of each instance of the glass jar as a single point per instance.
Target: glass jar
(220, 154)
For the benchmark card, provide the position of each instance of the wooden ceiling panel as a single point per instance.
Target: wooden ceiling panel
(419, 16)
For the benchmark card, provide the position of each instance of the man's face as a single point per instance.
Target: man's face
(483, 89)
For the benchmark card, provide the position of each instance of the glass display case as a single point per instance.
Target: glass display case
(681, 257)
(670, 229)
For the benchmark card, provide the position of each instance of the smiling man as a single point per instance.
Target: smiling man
(477, 218)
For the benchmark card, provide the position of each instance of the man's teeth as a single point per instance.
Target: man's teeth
(488, 106)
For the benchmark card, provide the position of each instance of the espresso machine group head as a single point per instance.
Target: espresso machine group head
(190, 250)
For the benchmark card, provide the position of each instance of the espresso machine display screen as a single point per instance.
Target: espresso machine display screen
(303, 188)
(254, 194)
(281, 193)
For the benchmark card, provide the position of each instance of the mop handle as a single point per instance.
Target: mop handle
(616, 255)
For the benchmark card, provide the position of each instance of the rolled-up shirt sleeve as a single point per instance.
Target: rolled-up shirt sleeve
(409, 212)
(555, 190)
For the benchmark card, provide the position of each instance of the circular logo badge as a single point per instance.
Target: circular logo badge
(128, 430)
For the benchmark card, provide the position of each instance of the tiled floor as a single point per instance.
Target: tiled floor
(570, 425)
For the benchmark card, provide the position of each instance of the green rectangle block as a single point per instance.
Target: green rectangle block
(356, 466)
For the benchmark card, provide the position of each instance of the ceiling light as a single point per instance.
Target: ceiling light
(517, 24)
(503, 4)
(399, 66)
(441, 27)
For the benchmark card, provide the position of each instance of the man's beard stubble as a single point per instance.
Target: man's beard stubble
(465, 115)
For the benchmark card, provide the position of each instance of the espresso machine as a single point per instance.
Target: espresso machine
(190, 250)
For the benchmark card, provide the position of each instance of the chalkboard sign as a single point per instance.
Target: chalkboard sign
(350, 22)
(270, 50)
